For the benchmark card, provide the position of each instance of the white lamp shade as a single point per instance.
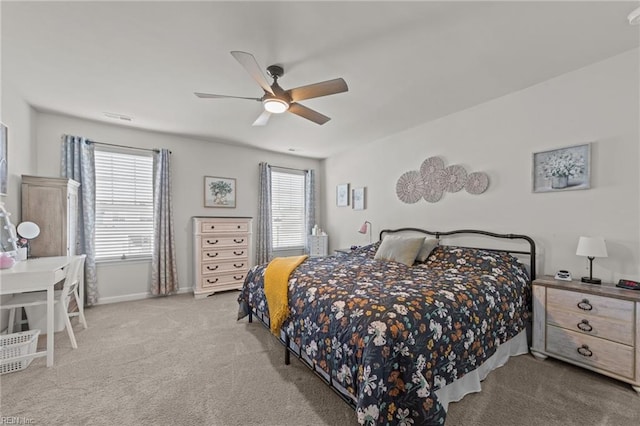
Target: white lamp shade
(591, 247)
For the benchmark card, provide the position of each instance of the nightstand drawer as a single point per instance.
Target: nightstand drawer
(591, 325)
(588, 304)
(592, 351)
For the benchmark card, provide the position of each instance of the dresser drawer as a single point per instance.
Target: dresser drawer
(224, 279)
(592, 351)
(591, 325)
(215, 241)
(225, 254)
(621, 311)
(238, 265)
(224, 227)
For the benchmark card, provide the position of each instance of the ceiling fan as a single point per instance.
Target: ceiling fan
(276, 100)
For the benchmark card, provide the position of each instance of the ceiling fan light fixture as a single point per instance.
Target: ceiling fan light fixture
(275, 105)
(634, 17)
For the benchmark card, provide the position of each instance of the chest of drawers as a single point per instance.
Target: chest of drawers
(221, 253)
(318, 245)
(593, 326)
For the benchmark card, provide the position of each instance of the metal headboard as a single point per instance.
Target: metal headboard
(438, 234)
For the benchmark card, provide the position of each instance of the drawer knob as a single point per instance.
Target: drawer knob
(238, 254)
(212, 268)
(238, 278)
(585, 326)
(212, 281)
(585, 351)
(238, 226)
(238, 241)
(238, 266)
(212, 254)
(585, 305)
(212, 227)
(212, 242)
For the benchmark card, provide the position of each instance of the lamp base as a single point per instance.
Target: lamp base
(591, 280)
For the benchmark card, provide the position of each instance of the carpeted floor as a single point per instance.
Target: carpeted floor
(181, 361)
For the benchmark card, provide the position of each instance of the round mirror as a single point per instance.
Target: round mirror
(28, 230)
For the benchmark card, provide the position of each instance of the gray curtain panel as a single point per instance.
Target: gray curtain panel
(77, 163)
(310, 205)
(164, 273)
(263, 239)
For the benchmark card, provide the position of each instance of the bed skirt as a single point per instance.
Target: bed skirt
(470, 382)
(452, 392)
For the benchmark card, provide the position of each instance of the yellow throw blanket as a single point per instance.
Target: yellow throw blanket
(276, 280)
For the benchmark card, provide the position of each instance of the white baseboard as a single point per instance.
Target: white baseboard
(137, 296)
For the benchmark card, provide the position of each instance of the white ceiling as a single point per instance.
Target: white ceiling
(405, 63)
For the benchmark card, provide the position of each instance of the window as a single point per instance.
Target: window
(124, 205)
(287, 209)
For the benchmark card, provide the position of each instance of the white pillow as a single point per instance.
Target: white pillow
(427, 247)
(399, 249)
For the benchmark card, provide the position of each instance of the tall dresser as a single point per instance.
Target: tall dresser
(51, 203)
(221, 253)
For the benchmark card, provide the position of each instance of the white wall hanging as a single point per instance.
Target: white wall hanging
(434, 179)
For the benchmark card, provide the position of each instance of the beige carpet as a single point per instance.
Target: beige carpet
(181, 361)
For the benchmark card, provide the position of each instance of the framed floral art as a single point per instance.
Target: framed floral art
(562, 169)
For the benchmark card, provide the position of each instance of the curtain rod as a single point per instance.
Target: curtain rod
(288, 168)
(127, 147)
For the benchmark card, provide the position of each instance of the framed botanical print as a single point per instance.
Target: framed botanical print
(357, 198)
(219, 192)
(342, 195)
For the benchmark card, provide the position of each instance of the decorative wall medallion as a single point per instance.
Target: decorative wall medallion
(432, 194)
(477, 183)
(410, 187)
(455, 177)
(430, 166)
(434, 179)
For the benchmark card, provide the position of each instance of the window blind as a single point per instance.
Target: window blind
(287, 209)
(124, 205)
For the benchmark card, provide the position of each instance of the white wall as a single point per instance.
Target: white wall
(18, 117)
(598, 104)
(191, 160)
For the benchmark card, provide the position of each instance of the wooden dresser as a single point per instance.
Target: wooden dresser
(593, 326)
(221, 253)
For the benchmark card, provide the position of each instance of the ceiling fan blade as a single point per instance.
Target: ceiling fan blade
(251, 65)
(329, 87)
(308, 113)
(210, 95)
(262, 119)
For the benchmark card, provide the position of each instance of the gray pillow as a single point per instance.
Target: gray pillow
(399, 249)
(427, 247)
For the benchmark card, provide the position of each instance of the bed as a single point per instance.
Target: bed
(399, 342)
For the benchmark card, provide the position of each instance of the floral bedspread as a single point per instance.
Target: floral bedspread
(390, 334)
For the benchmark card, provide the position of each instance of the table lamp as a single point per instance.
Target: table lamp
(366, 229)
(591, 247)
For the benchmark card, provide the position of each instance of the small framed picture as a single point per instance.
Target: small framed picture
(342, 195)
(357, 198)
(219, 192)
(562, 169)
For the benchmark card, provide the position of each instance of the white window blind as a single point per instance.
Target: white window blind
(287, 209)
(124, 205)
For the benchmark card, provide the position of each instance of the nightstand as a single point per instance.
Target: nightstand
(593, 326)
